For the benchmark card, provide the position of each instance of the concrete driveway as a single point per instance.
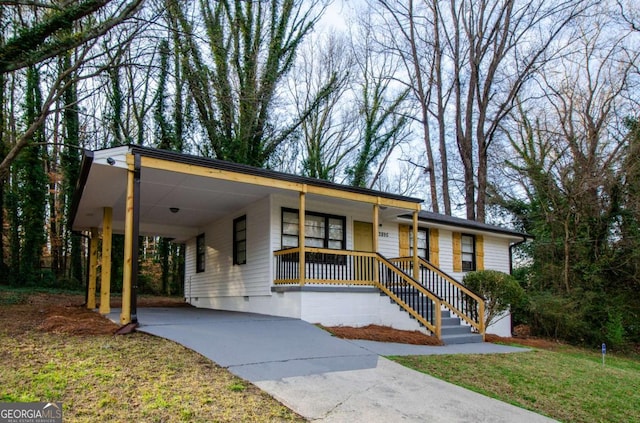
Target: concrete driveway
(325, 378)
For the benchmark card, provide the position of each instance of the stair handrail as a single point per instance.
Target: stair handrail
(479, 324)
(438, 302)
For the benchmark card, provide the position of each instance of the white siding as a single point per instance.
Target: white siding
(496, 253)
(350, 210)
(446, 252)
(389, 245)
(221, 277)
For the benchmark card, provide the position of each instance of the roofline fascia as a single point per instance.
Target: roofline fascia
(85, 168)
(266, 173)
(497, 230)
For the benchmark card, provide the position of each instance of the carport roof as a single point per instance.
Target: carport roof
(201, 188)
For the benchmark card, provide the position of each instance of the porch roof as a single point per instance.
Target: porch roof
(181, 193)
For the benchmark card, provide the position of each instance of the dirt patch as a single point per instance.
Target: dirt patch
(66, 314)
(149, 301)
(383, 334)
(76, 320)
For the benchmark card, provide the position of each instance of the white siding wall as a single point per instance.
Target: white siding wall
(247, 287)
(446, 252)
(388, 246)
(221, 277)
(496, 253)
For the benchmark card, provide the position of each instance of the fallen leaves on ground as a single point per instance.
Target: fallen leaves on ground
(383, 334)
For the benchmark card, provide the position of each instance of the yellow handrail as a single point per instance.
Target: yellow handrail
(374, 281)
(435, 329)
(479, 325)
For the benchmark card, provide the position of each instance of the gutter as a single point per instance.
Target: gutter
(511, 246)
(85, 167)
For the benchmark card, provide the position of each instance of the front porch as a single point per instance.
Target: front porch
(425, 292)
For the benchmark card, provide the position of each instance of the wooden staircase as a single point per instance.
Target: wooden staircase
(432, 299)
(441, 304)
(452, 331)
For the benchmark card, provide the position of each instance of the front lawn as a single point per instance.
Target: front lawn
(54, 350)
(568, 384)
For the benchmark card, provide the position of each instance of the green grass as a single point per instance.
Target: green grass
(569, 385)
(23, 292)
(132, 378)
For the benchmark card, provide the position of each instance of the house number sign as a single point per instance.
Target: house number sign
(383, 234)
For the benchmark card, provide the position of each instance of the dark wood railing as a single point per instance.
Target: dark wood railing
(456, 297)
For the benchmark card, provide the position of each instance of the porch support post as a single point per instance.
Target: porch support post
(376, 223)
(93, 267)
(131, 232)
(301, 230)
(376, 219)
(105, 276)
(416, 269)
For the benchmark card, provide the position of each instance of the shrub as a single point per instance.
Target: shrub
(498, 288)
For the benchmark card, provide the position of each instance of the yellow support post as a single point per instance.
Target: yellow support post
(301, 233)
(105, 281)
(481, 319)
(93, 268)
(376, 223)
(416, 269)
(125, 314)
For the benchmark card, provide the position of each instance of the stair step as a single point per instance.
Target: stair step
(470, 338)
(452, 331)
(450, 321)
(455, 330)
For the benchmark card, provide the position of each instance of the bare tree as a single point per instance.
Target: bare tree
(475, 57)
(417, 43)
(382, 122)
(327, 133)
(569, 159)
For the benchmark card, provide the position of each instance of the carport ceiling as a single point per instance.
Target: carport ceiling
(199, 200)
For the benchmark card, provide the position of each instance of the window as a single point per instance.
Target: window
(240, 240)
(201, 250)
(321, 231)
(468, 243)
(423, 243)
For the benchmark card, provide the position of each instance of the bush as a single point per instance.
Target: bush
(498, 288)
(556, 317)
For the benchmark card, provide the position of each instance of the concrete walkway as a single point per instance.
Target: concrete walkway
(324, 378)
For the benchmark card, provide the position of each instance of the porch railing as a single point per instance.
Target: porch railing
(325, 266)
(341, 267)
(456, 297)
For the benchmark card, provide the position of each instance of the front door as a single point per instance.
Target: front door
(363, 241)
